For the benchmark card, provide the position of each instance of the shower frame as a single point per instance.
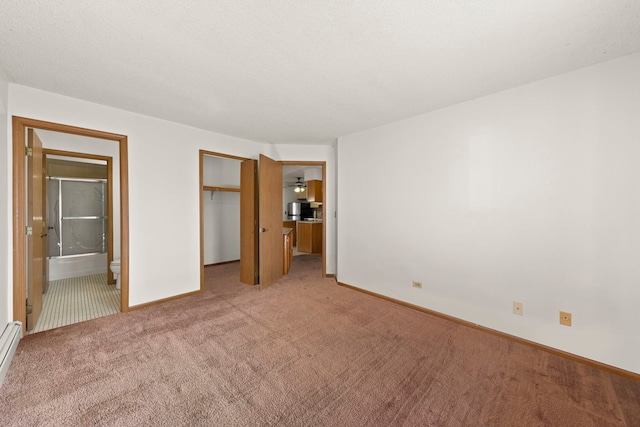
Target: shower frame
(61, 217)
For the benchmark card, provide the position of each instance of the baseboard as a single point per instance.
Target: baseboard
(222, 263)
(9, 340)
(574, 357)
(162, 301)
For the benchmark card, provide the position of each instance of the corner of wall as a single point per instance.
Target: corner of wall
(5, 280)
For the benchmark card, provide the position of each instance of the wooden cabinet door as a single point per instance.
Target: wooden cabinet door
(287, 252)
(291, 224)
(314, 190)
(310, 237)
(304, 237)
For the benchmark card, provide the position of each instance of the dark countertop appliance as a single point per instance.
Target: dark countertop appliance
(297, 211)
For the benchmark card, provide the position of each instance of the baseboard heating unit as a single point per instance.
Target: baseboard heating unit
(8, 343)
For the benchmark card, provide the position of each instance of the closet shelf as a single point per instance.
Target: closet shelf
(216, 188)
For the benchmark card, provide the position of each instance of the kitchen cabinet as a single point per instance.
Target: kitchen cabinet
(287, 247)
(310, 237)
(292, 225)
(314, 191)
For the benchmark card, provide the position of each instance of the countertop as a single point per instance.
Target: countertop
(305, 221)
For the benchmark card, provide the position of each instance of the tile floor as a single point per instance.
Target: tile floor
(69, 301)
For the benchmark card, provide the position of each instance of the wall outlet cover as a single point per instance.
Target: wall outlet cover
(565, 318)
(518, 308)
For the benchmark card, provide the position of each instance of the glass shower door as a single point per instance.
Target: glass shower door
(79, 209)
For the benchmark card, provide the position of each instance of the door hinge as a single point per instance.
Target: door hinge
(29, 152)
(29, 309)
(29, 230)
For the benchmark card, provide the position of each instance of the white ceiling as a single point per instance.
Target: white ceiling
(300, 71)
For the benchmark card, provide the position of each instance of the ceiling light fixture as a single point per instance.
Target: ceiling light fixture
(299, 186)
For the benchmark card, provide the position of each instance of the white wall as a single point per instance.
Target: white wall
(288, 196)
(221, 210)
(326, 153)
(6, 305)
(221, 226)
(221, 171)
(528, 195)
(163, 186)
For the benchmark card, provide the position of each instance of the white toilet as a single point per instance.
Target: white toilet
(115, 269)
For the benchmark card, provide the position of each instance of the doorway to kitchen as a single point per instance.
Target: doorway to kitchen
(220, 215)
(304, 188)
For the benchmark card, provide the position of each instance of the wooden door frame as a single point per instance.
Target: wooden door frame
(109, 160)
(323, 164)
(201, 155)
(19, 129)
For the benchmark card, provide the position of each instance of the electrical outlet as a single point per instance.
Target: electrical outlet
(417, 284)
(518, 308)
(565, 318)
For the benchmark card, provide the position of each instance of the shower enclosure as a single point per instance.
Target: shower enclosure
(77, 227)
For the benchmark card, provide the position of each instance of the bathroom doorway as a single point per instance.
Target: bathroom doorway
(79, 241)
(107, 235)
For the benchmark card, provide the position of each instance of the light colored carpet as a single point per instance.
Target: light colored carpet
(304, 352)
(78, 299)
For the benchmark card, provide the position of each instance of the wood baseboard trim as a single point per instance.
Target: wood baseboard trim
(162, 301)
(574, 357)
(330, 276)
(221, 263)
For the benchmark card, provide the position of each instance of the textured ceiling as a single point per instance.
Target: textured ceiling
(301, 71)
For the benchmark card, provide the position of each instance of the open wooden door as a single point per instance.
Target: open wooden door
(249, 222)
(45, 224)
(270, 221)
(261, 243)
(37, 229)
